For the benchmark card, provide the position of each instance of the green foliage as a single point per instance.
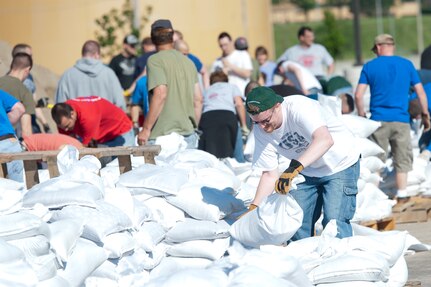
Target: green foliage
(368, 7)
(305, 5)
(331, 35)
(403, 29)
(115, 24)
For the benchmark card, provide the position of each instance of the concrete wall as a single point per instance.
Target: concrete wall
(56, 29)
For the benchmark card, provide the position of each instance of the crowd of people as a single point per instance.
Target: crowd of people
(167, 89)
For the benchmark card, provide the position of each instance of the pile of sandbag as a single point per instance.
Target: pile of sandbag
(173, 224)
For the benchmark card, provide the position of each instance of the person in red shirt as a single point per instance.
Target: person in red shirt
(42, 142)
(95, 121)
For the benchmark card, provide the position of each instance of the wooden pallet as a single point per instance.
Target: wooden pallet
(415, 209)
(30, 159)
(387, 223)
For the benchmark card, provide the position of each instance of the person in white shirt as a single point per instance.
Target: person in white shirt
(319, 146)
(236, 64)
(312, 56)
(301, 77)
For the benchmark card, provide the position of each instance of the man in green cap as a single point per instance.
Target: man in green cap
(319, 146)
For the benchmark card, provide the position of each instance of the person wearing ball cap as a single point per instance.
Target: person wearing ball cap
(320, 148)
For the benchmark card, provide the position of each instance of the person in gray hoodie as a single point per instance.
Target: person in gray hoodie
(90, 77)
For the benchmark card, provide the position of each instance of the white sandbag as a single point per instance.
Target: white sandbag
(106, 270)
(210, 249)
(330, 104)
(45, 266)
(66, 158)
(86, 258)
(191, 229)
(170, 265)
(192, 278)
(134, 279)
(81, 188)
(253, 276)
(153, 179)
(64, 234)
(14, 269)
(360, 126)
(351, 266)
(140, 260)
(20, 225)
(137, 211)
(163, 212)
(93, 281)
(238, 168)
(98, 222)
(170, 145)
(274, 261)
(275, 221)
(56, 281)
(32, 246)
(206, 203)
(190, 159)
(372, 204)
(215, 178)
(398, 274)
(9, 184)
(354, 284)
(118, 244)
(149, 235)
(10, 201)
(367, 147)
(373, 163)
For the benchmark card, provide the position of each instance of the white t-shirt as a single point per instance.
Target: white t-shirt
(220, 96)
(301, 117)
(240, 59)
(313, 58)
(310, 81)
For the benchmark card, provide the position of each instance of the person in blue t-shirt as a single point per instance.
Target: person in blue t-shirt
(11, 111)
(139, 102)
(390, 78)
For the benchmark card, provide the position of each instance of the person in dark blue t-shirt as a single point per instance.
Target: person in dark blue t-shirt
(390, 78)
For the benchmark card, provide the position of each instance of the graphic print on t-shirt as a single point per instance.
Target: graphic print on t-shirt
(294, 141)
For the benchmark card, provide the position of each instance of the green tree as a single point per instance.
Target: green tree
(116, 24)
(305, 5)
(339, 4)
(330, 35)
(369, 7)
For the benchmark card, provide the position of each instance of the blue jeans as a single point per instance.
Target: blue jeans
(14, 168)
(238, 152)
(126, 139)
(335, 193)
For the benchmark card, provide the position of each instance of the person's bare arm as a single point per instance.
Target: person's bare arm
(16, 113)
(26, 125)
(243, 73)
(359, 99)
(265, 186)
(197, 101)
(205, 77)
(321, 142)
(331, 69)
(240, 110)
(298, 74)
(157, 103)
(419, 89)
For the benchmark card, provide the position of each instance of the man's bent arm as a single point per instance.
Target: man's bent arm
(197, 101)
(266, 185)
(321, 142)
(157, 103)
(16, 113)
(26, 125)
(359, 99)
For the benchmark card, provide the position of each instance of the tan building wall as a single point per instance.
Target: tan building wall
(56, 29)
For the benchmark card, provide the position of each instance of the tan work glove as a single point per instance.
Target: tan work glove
(250, 208)
(283, 184)
(426, 121)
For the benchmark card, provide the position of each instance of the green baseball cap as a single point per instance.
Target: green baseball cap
(261, 99)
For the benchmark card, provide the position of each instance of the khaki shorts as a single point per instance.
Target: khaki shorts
(397, 135)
